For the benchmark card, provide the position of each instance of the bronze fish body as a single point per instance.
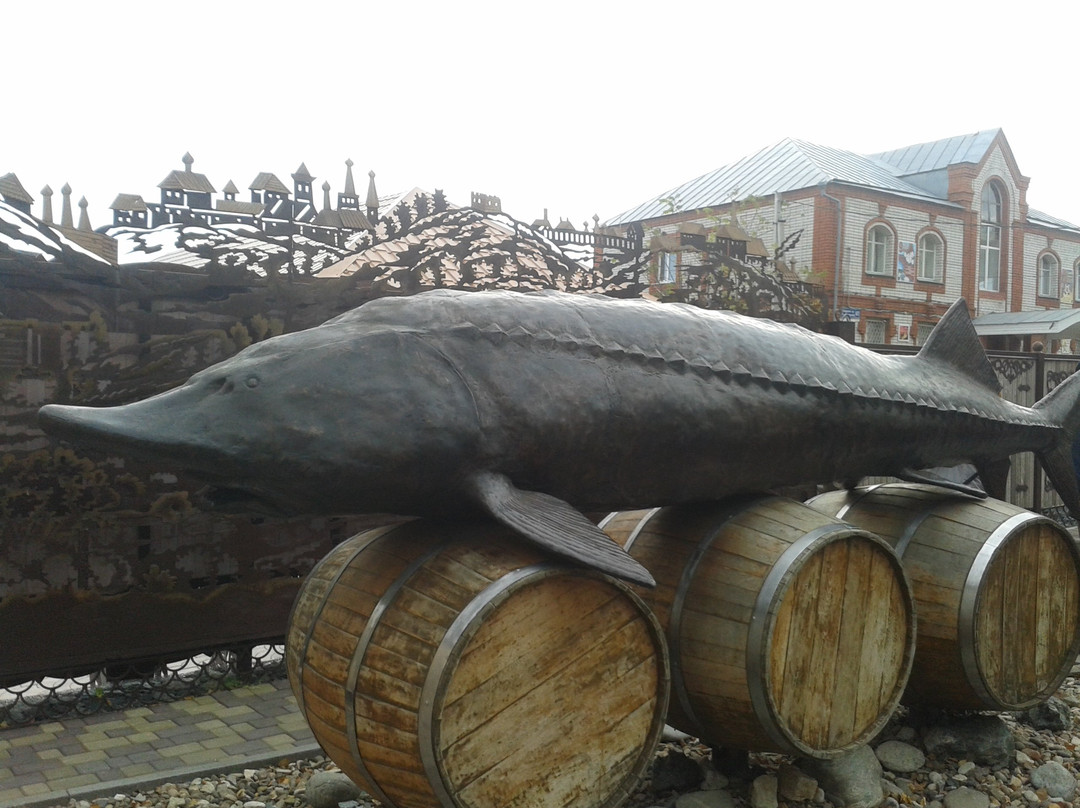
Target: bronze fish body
(533, 408)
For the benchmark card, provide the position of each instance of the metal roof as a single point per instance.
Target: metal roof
(187, 181)
(12, 190)
(1057, 323)
(1038, 217)
(130, 202)
(265, 181)
(939, 154)
(789, 165)
(354, 220)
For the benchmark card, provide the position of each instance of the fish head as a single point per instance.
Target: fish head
(319, 421)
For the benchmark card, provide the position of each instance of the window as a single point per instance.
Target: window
(1076, 281)
(875, 331)
(922, 331)
(879, 250)
(1048, 276)
(931, 258)
(665, 267)
(990, 240)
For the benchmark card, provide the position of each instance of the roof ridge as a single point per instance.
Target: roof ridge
(790, 164)
(935, 155)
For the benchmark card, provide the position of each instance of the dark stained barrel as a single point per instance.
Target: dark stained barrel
(997, 592)
(455, 665)
(787, 630)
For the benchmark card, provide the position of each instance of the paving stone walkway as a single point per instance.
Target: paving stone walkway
(116, 752)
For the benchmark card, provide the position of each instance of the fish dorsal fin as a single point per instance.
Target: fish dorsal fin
(555, 525)
(954, 342)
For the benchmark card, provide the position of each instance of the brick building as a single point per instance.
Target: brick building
(894, 238)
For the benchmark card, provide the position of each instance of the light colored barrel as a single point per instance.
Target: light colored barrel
(787, 630)
(997, 592)
(455, 665)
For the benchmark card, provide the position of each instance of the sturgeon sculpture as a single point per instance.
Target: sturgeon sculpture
(532, 408)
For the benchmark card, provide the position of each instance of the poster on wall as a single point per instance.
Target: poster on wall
(905, 262)
(903, 328)
(850, 315)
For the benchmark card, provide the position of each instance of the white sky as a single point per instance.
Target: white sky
(579, 107)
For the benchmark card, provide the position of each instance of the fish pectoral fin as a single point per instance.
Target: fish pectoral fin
(967, 484)
(556, 526)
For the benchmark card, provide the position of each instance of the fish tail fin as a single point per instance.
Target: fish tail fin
(994, 475)
(1061, 407)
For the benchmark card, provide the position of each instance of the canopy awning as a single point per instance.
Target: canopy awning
(1055, 323)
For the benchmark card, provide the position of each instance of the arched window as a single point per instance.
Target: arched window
(990, 239)
(879, 251)
(1048, 275)
(931, 258)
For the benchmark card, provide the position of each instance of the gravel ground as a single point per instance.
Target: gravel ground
(932, 785)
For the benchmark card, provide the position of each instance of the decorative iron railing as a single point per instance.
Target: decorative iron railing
(137, 685)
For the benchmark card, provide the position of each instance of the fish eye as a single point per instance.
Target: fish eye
(253, 381)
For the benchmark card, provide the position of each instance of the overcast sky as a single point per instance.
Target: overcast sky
(580, 108)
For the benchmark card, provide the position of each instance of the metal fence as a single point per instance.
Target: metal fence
(135, 685)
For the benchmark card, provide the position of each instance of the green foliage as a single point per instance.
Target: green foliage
(722, 279)
(58, 483)
(98, 328)
(172, 506)
(259, 326)
(240, 335)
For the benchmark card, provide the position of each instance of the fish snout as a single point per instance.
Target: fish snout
(113, 429)
(80, 425)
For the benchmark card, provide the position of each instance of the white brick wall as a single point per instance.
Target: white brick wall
(908, 223)
(759, 222)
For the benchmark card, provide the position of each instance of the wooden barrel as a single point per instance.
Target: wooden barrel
(996, 592)
(454, 665)
(787, 630)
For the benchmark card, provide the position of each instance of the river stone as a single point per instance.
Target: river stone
(985, 739)
(674, 772)
(327, 789)
(965, 797)
(1052, 714)
(1056, 779)
(853, 779)
(794, 784)
(897, 756)
(763, 791)
(705, 799)
(712, 780)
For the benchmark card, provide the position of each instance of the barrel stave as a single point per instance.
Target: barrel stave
(448, 665)
(763, 601)
(996, 588)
